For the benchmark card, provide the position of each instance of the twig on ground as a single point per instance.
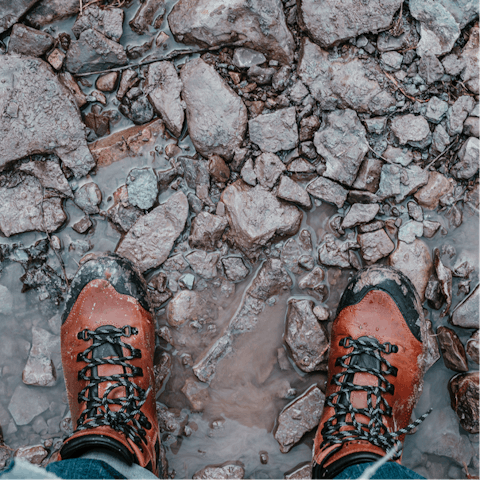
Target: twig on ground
(392, 79)
(441, 154)
(379, 156)
(81, 7)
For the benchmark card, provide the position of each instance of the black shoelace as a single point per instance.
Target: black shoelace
(129, 419)
(375, 431)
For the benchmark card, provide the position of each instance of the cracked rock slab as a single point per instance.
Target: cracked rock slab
(360, 213)
(10, 12)
(40, 116)
(29, 41)
(257, 24)
(328, 191)
(149, 242)
(291, 191)
(412, 130)
(217, 117)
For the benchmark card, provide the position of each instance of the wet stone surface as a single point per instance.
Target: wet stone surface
(464, 390)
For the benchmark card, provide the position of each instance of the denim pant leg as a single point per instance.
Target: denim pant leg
(79, 468)
(388, 470)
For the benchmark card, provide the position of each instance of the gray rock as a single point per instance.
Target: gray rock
(360, 213)
(458, 113)
(30, 86)
(149, 242)
(48, 11)
(436, 110)
(217, 117)
(282, 78)
(430, 228)
(312, 280)
(26, 403)
(272, 279)
(412, 130)
(305, 337)
(389, 181)
(392, 60)
(203, 263)
(291, 191)
(375, 245)
(368, 177)
(413, 260)
(108, 21)
(471, 127)
(261, 76)
(248, 173)
(274, 131)
(227, 470)
(184, 307)
(6, 301)
(235, 269)
(437, 186)
(298, 418)
(259, 25)
(148, 11)
(345, 82)
(207, 230)
(327, 191)
(83, 225)
(255, 215)
(411, 179)
(268, 168)
(140, 111)
(438, 28)
(28, 41)
(468, 155)
(470, 58)
(93, 52)
(163, 90)
(402, 156)
(88, 197)
(409, 37)
(142, 187)
(415, 211)
(206, 367)
(329, 23)
(466, 313)
(440, 139)
(409, 231)
(333, 252)
(11, 12)
(342, 143)
(376, 125)
(430, 68)
(246, 58)
(24, 208)
(308, 127)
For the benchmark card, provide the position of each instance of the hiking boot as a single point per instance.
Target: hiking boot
(375, 372)
(108, 342)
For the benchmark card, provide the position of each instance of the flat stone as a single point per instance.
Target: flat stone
(291, 191)
(108, 21)
(48, 11)
(342, 143)
(217, 117)
(274, 131)
(368, 177)
(246, 58)
(149, 242)
(88, 197)
(409, 231)
(458, 113)
(11, 12)
(402, 156)
(440, 139)
(412, 130)
(345, 82)
(312, 280)
(235, 269)
(93, 52)
(305, 337)
(301, 473)
(473, 348)
(430, 228)
(33, 454)
(375, 245)
(163, 90)
(26, 403)
(203, 263)
(376, 125)
(464, 393)
(268, 168)
(29, 41)
(430, 68)
(436, 110)
(437, 186)
(24, 208)
(333, 252)
(184, 307)
(414, 261)
(391, 60)
(30, 86)
(207, 230)
(468, 155)
(255, 216)
(107, 82)
(298, 418)
(454, 355)
(248, 173)
(360, 213)
(330, 23)
(259, 26)
(142, 187)
(226, 470)
(467, 311)
(308, 127)
(328, 191)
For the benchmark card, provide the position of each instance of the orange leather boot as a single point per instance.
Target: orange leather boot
(375, 372)
(108, 342)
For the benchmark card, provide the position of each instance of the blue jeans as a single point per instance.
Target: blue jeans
(91, 468)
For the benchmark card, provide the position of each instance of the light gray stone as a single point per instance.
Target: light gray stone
(412, 130)
(436, 110)
(360, 213)
(468, 155)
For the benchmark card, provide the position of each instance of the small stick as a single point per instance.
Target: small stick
(392, 79)
(379, 156)
(441, 155)
(81, 7)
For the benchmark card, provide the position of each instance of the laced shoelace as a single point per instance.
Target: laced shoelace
(375, 431)
(128, 419)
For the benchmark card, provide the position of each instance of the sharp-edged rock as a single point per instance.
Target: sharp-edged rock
(333, 252)
(437, 186)
(207, 230)
(255, 215)
(345, 82)
(227, 470)
(26, 403)
(375, 245)
(466, 313)
(436, 110)
(257, 25)
(360, 213)
(268, 168)
(235, 269)
(108, 21)
(329, 23)
(274, 131)
(33, 454)
(217, 117)
(29, 41)
(444, 275)
(203, 263)
(56, 126)
(246, 58)
(464, 393)
(430, 69)
(291, 191)
(453, 352)
(298, 418)
(88, 197)
(409, 231)
(149, 241)
(305, 337)
(184, 307)
(148, 11)
(412, 130)
(328, 191)
(142, 187)
(11, 12)
(458, 113)
(468, 155)
(48, 11)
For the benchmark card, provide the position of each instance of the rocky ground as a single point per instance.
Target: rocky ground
(248, 157)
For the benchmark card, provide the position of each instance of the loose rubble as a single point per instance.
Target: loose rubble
(463, 390)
